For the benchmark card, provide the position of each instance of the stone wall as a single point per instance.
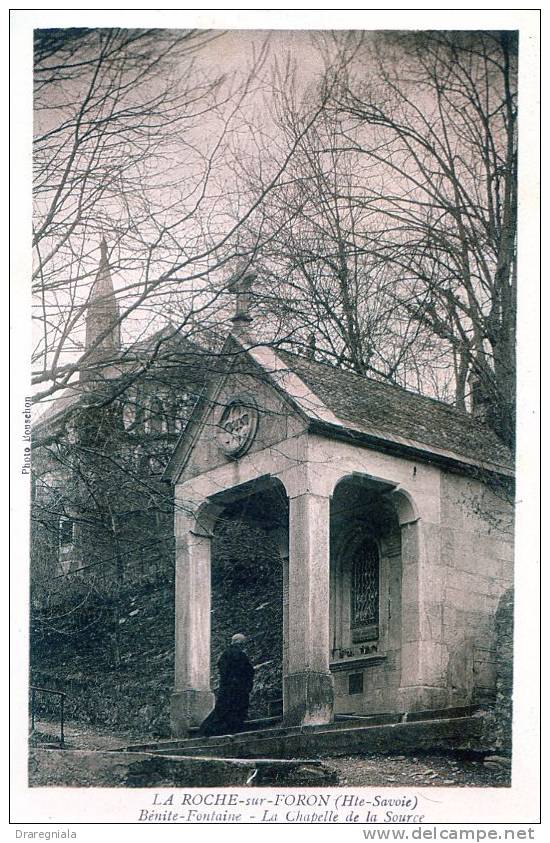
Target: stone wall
(366, 680)
(116, 660)
(477, 556)
(465, 563)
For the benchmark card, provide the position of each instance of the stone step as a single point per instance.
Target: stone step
(80, 768)
(273, 727)
(272, 731)
(419, 731)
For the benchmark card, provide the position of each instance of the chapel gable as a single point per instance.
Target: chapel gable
(242, 412)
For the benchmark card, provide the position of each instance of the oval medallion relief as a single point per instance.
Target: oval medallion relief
(237, 426)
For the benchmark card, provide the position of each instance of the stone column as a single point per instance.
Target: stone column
(423, 654)
(192, 698)
(280, 537)
(285, 615)
(308, 692)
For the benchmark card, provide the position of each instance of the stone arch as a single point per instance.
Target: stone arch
(363, 514)
(205, 517)
(179, 412)
(405, 506)
(249, 557)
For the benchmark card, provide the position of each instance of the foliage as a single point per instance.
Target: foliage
(108, 649)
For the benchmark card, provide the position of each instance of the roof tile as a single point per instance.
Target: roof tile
(385, 410)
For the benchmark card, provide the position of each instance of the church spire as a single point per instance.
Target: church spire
(103, 313)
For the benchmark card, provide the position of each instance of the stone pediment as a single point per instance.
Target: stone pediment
(241, 411)
(265, 396)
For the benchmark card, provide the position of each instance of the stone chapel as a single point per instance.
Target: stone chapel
(393, 518)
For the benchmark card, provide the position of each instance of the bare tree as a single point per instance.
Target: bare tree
(320, 280)
(436, 115)
(380, 218)
(130, 134)
(132, 140)
(397, 253)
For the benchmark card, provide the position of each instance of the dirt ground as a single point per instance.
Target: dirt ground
(425, 770)
(422, 771)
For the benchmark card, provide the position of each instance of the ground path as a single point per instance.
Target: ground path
(427, 770)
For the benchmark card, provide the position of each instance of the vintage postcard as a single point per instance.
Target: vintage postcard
(275, 416)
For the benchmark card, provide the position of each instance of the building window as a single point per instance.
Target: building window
(66, 527)
(355, 683)
(365, 592)
(141, 458)
(180, 412)
(155, 420)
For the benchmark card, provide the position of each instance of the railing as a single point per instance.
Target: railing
(34, 689)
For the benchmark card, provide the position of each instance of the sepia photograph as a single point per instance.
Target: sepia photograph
(270, 418)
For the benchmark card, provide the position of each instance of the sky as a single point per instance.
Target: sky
(232, 55)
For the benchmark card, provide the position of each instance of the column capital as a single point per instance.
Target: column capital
(197, 518)
(307, 479)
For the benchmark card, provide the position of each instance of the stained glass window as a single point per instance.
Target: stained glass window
(365, 586)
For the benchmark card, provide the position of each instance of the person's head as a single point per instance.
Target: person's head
(239, 639)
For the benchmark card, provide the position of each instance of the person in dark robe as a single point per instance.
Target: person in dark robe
(232, 700)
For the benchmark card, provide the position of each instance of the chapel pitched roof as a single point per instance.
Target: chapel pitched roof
(387, 413)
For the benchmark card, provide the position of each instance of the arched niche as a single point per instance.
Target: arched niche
(404, 505)
(365, 600)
